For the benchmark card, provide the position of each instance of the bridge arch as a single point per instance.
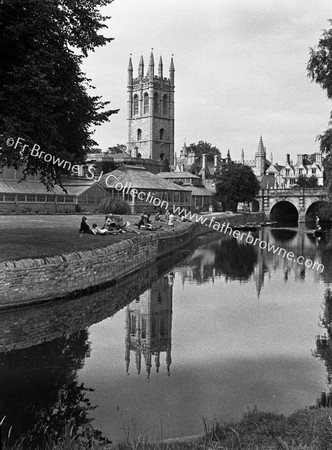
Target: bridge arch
(312, 210)
(284, 211)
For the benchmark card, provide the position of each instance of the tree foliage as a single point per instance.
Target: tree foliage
(319, 70)
(43, 92)
(117, 149)
(204, 147)
(307, 182)
(199, 149)
(236, 183)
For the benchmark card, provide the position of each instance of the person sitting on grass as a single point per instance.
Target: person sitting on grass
(84, 228)
(141, 221)
(97, 230)
(183, 217)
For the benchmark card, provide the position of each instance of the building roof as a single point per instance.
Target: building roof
(77, 186)
(28, 187)
(138, 178)
(73, 187)
(200, 191)
(171, 175)
(268, 182)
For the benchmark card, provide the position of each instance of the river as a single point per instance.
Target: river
(208, 333)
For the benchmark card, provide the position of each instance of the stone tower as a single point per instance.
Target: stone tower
(151, 112)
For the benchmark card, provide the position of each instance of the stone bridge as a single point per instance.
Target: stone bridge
(292, 204)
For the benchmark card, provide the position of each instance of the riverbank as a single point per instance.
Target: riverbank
(29, 281)
(307, 429)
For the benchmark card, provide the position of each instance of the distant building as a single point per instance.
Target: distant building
(201, 197)
(155, 192)
(274, 175)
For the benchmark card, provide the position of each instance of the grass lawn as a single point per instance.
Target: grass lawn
(36, 236)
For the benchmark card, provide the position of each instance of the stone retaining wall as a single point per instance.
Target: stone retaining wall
(31, 281)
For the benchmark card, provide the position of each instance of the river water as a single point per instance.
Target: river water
(208, 333)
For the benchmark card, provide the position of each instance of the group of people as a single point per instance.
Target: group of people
(115, 226)
(111, 226)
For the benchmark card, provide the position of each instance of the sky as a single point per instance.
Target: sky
(240, 71)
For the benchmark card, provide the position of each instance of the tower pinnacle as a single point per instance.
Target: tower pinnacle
(141, 68)
(151, 67)
(160, 68)
(171, 71)
(130, 72)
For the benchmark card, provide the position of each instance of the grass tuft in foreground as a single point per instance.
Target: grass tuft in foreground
(308, 429)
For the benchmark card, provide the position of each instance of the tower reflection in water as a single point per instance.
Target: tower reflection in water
(149, 326)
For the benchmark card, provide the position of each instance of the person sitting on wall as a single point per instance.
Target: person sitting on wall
(102, 231)
(84, 228)
(171, 220)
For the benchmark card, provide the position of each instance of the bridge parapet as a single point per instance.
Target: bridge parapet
(294, 191)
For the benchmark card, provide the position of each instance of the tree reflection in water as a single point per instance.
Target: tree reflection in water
(41, 404)
(324, 347)
(236, 261)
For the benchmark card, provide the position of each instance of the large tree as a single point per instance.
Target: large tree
(235, 183)
(44, 94)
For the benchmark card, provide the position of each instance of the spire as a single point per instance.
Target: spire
(184, 149)
(228, 156)
(160, 68)
(171, 71)
(130, 72)
(242, 157)
(151, 66)
(260, 148)
(141, 68)
(271, 158)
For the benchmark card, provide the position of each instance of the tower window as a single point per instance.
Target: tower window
(162, 134)
(146, 103)
(156, 103)
(165, 105)
(135, 105)
(139, 134)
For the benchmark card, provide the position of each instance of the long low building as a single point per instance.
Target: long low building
(153, 192)
(31, 196)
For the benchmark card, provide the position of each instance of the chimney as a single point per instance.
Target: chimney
(288, 158)
(203, 166)
(318, 159)
(300, 159)
(203, 161)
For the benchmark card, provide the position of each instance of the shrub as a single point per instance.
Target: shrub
(115, 206)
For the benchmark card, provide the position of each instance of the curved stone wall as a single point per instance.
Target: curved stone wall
(30, 281)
